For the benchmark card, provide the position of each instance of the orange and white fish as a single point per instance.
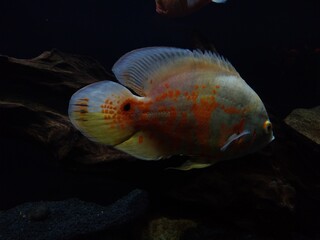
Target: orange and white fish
(175, 8)
(186, 102)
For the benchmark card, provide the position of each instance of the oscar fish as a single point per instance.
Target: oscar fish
(175, 8)
(172, 101)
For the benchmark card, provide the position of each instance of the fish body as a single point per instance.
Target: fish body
(176, 8)
(185, 103)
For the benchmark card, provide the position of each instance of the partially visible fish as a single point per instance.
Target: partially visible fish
(186, 102)
(175, 8)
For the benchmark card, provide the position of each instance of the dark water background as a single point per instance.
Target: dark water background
(275, 46)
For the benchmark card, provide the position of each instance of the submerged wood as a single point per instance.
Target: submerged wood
(34, 101)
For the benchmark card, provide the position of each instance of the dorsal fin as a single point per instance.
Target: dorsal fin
(142, 69)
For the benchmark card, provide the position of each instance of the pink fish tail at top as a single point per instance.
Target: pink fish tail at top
(159, 8)
(176, 8)
(219, 1)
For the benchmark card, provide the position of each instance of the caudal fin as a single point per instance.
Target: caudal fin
(97, 111)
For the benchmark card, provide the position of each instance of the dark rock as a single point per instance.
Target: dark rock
(39, 213)
(70, 218)
(49, 79)
(35, 94)
(165, 228)
(54, 131)
(306, 122)
(220, 232)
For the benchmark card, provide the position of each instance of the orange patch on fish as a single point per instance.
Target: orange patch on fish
(170, 94)
(231, 110)
(162, 97)
(239, 127)
(193, 96)
(172, 115)
(202, 112)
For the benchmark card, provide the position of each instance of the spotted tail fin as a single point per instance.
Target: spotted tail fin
(98, 111)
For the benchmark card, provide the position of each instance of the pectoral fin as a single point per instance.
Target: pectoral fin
(233, 138)
(141, 145)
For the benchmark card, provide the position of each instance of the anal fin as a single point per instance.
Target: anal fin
(144, 146)
(189, 165)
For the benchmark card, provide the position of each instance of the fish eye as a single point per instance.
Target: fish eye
(267, 126)
(127, 107)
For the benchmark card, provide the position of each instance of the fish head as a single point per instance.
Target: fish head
(259, 125)
(246, 125)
